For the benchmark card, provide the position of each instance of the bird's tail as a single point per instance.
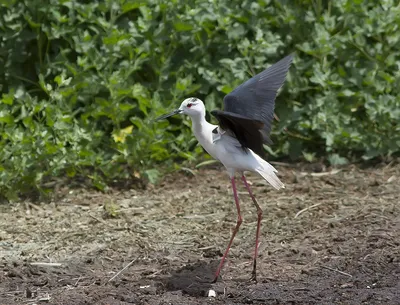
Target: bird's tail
(267, 171)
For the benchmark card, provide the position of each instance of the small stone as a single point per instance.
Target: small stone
(212, 293)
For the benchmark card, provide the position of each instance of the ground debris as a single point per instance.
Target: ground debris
(331, 237)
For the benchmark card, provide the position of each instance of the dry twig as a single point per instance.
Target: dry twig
(308, 208)
(42, 264)
(119, 272)
(338, 271)
(98, 219)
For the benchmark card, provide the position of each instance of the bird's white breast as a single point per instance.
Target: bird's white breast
(222, 146)
(203, 132)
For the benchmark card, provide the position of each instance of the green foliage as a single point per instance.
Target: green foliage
(82, 81)
(346, 86)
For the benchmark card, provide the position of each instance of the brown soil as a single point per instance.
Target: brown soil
(328, 238)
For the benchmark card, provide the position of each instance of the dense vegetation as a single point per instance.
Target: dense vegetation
(81, 81)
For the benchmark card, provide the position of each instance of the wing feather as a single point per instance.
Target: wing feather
(255, 99)
(246, 131)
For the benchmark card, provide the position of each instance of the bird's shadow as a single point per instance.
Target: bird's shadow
(193, 279)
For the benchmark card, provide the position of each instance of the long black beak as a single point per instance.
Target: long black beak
(164, 116)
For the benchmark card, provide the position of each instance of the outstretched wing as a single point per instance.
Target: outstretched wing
(255, 98)
(249, 109)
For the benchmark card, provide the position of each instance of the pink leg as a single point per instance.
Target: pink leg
(238, 223)
(259, 217)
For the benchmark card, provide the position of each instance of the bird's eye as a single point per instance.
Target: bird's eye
(189, 105)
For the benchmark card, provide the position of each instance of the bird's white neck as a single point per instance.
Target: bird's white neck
(198, 122)
(203, 133)
(201, 128)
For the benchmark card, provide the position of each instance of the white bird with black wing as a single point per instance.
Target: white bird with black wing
(244, 126)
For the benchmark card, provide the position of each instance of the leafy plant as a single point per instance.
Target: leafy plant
(81, 82)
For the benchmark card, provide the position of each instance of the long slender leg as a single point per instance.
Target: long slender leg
(238, 223)
(259, 218)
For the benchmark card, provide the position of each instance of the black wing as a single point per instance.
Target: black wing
(246, 130)
(254, 100)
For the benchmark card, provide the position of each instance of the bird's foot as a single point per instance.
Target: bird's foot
(254, 272)
(253, 277)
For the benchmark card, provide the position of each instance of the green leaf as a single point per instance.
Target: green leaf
(8, 99)
(127, 7)
(310, 157)
(205, 163)
(182, 27)
(6, 117)
(335, 159)
(153, 175)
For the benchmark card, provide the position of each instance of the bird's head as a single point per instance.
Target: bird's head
(192, 106)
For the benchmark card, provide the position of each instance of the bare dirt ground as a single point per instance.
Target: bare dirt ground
(328, 238)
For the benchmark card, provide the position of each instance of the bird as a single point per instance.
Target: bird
(244, 126)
